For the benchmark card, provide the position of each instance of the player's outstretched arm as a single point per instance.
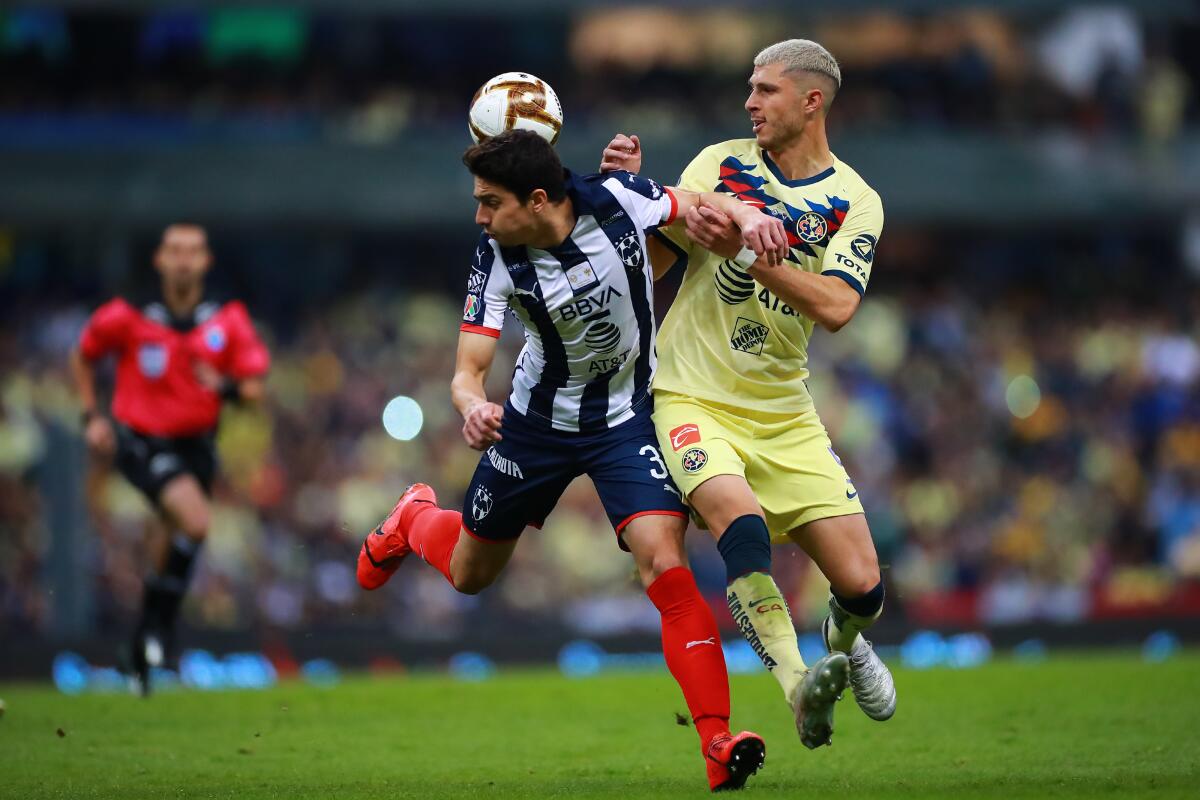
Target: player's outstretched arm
(826, 300)
(481, 419)
(761, 234)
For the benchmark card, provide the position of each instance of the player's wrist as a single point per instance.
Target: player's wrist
(87, 415)
(229, 389)
(745, 258)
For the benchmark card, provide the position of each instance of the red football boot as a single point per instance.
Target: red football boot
(732, 758)
(386, 546)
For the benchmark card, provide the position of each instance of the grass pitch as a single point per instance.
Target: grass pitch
(1086, 726)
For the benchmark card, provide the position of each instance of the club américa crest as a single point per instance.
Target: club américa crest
(694, 460)
(811, 227)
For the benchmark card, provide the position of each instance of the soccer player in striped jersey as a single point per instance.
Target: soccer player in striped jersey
(565, 254)
(739, 431)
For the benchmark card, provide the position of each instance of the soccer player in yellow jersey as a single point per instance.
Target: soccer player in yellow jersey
(732, 411)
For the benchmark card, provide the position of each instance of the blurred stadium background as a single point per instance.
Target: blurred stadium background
(1018, 399)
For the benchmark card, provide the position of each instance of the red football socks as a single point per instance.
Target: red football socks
(432, 534)
(692, 647)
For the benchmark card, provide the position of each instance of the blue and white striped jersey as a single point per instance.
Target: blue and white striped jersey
(586, 306)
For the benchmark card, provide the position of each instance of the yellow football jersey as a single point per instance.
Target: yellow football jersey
(729, 339)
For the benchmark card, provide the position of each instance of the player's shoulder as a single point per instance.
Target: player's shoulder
(856, 186)
(487, 252)
(118, 308)
(593, 193)
(217, 309)
(704, 169)
(731, 147)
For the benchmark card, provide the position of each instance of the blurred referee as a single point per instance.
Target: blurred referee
(178, 359)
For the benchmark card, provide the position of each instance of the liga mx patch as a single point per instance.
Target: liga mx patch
(694, 460)
(748, 336)
(471, 307)
(684, 435)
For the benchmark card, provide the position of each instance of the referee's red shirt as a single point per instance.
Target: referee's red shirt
(156, 392)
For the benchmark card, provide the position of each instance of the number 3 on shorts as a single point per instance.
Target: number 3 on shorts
(660, 472)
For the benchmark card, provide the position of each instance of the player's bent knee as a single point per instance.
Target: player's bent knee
(867, 579)
(656, 543)
(473, 583)
(660, 561)
(862, 581)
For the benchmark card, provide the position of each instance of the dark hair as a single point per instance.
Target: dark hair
(520, 161)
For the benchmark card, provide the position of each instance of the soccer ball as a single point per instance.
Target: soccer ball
(515, 100)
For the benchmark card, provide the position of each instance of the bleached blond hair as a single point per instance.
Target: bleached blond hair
(802, 55)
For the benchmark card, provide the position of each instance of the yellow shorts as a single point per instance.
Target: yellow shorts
(787, 460)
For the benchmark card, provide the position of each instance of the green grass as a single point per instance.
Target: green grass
(1086, 726)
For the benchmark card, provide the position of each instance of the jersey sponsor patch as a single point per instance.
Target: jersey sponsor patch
(863, 246)
(602, 336)
(684, 435)
(694, 460)
(748, 336)
(504, 465)
(476, 281)
(734, 284)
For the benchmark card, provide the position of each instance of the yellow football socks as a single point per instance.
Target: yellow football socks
(762, 615)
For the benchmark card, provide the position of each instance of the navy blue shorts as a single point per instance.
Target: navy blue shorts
(520, 478)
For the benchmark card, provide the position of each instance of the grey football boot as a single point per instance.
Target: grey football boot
(815, 697)
(870, 679)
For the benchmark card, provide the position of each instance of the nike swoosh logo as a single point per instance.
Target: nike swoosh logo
(709, 640)
(754, 603)
(851, 495)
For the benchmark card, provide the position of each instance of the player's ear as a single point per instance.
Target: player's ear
(538, 199)
(814, 100)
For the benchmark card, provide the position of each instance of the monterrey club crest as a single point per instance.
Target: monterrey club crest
(481, 503)
(694, 460)
(630, 251)
(811, 227)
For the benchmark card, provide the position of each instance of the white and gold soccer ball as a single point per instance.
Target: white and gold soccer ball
(515, 101)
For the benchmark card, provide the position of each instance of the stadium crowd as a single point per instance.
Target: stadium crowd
(281, 73)
(1023, 425)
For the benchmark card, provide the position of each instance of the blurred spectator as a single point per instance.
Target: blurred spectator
(278, 72)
